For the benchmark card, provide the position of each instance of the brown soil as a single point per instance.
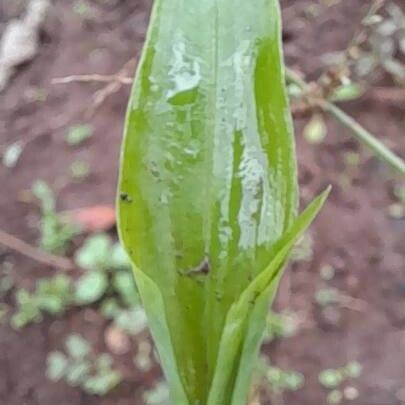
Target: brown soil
(353, 233)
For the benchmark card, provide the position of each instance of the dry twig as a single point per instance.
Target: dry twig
(114, 83)
(92, 78)
(356, 129)
(33, 253)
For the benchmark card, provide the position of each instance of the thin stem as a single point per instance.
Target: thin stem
(365, 137)
(93, 78)
(357, 130)
(33, 253)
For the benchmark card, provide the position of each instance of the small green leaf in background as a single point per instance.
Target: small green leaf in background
(78, 134)
(327, 296)
(294, 90)
(28, 309)
(55, 234)
(77, 372)
(102, 383)
(44, 194)
(110, 308)
(351, 158)
(347, 92)
(119, 257)
(90, 287)
(331, 378)
(104, 378)
(99, 253)
(77, 346)
(353, 369)
(84, 9)
(52, 295)
(315, 131)
(335, 397)
(95, 253)
(282, 325)
(82, 368)
(79, 169)
(132, 321)
(12, 154)
(280, 380)
(56, 366)
(143, 359)
(158, 395)
(124, 285)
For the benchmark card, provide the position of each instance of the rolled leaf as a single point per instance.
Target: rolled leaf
(207, 190)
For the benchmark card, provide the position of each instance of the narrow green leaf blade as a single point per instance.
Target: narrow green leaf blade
(233, 371)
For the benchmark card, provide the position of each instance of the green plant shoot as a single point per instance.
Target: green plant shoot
(208, 189)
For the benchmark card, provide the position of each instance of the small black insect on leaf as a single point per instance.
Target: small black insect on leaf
(124, 197)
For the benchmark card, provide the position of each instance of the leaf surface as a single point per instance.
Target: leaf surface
(208, 175)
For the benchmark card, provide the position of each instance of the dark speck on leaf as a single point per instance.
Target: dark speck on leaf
(124, 197)
(202, 269)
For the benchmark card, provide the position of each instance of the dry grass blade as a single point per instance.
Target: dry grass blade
(113, 83)
(92, 78)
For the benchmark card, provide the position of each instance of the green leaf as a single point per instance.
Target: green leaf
(95, 254)
(207, 189)
(78, 134)
(77, 347)
(335, 397)
(44, 194)
(77, 373)
(55, 235)
(331, 378)
(54, 294)
(132, 321)
(104, 363)
(103, 383)
(347, 92)
(56, 366)
(124, 285)
(90, 287)
(28, 309)
(158, 395)
(119, 257)
(353, 369)
(79, 169)
(110, 308)
(249, 314)
(12, 154)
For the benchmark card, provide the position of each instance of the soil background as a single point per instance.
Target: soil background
(354, 234)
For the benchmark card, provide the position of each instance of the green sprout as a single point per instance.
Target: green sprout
(52, 296)
(55, 234)
(332, 379)
(79, 368)
(207, 200)
(78, 134)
